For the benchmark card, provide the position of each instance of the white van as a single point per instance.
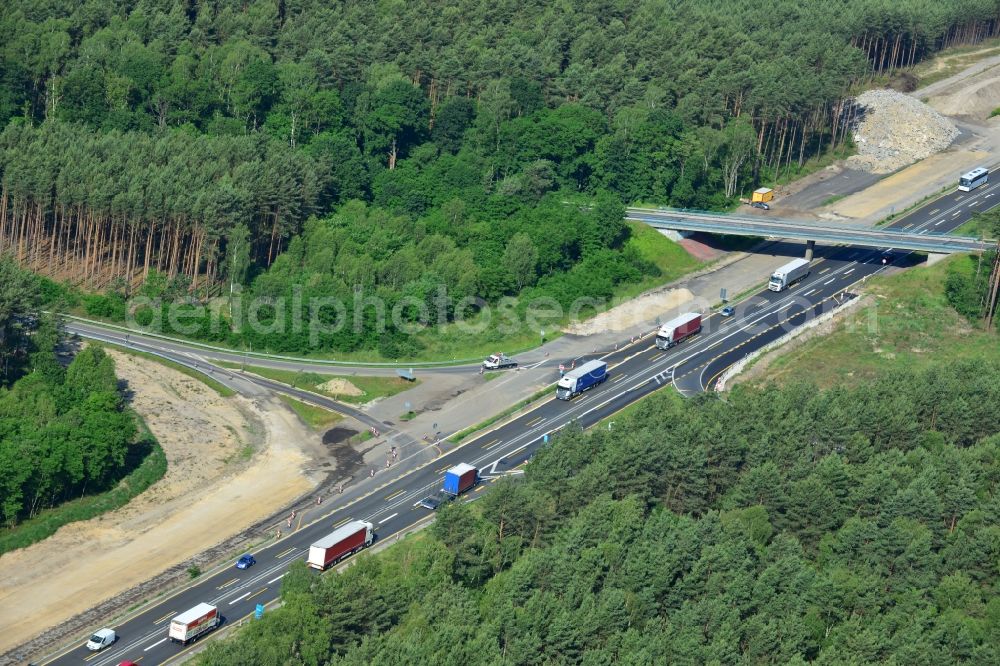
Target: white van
(101, 639)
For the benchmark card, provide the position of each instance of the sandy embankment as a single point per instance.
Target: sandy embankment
(210, 492)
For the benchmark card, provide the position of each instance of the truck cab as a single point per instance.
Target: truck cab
(498, 361)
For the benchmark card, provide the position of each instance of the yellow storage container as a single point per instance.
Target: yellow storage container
(764, 194)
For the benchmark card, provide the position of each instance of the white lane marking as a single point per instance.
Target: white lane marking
(956, 213)
(809, 292)
(162, 640)
(274, 580)
(972, 204)
(388, 518)
(239, 599)
(829, 281)
(848, 272)
(938, 223)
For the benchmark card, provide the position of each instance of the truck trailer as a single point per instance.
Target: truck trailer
(577, 381)
(457, 480)
(193, 622)
(677, 329)
(345, 541)
(788, 274)
(460, 478)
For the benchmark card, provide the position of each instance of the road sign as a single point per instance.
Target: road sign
(545, 438)
(259, 611)
(722, 294)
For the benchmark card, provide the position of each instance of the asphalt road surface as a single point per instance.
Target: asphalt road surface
(634, 371)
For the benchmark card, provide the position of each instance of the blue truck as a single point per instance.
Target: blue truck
(577, 381)
(457, 480)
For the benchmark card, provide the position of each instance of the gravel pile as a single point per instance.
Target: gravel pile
(896, 130)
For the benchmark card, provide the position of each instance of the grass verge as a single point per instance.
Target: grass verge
(150, 466)
(371, 387)
(910, 323)
(316, 418)
(216, 386)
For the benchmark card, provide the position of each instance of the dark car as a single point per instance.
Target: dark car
(761, 205)
(887, 258)
(434, 501)
(727, 311)
(245, 562)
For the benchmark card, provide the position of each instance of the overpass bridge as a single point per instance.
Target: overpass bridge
(738, 225)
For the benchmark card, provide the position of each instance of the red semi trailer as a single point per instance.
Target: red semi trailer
(348, 539)
(677, 329)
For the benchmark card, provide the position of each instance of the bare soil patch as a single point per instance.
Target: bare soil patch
(977, 100)
(645, 308)
(340, 386)
(231, 463)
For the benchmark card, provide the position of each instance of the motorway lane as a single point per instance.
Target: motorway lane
(820, 291)
(636, 370)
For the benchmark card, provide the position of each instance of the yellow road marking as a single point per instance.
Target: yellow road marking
(227, 584)
(258, 592)
(284, 552)
(534, 421)
(395, 494)
(343, 522)
(159, 620)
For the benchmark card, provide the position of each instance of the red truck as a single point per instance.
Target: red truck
(677, 329)
(347, 540)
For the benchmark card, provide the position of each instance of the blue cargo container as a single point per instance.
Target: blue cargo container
(459, 478)
(577, 381)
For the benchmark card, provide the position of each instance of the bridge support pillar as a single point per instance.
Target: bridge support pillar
(810, 246)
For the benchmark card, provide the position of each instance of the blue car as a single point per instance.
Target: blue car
(727, 311)
(245, 562)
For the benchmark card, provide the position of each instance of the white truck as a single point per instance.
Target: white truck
(788, 274)
(498, 362)
(193, 622)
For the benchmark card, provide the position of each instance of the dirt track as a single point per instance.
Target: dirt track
(213, 489)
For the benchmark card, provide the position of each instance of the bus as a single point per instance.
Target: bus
(973, 179)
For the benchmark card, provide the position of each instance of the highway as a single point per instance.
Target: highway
(635, 371)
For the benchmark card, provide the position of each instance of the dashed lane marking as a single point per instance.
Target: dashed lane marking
(388, 518)
(238, 599)
(284, 553)
(147, 649)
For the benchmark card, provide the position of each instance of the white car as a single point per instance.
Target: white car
(101, 639)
